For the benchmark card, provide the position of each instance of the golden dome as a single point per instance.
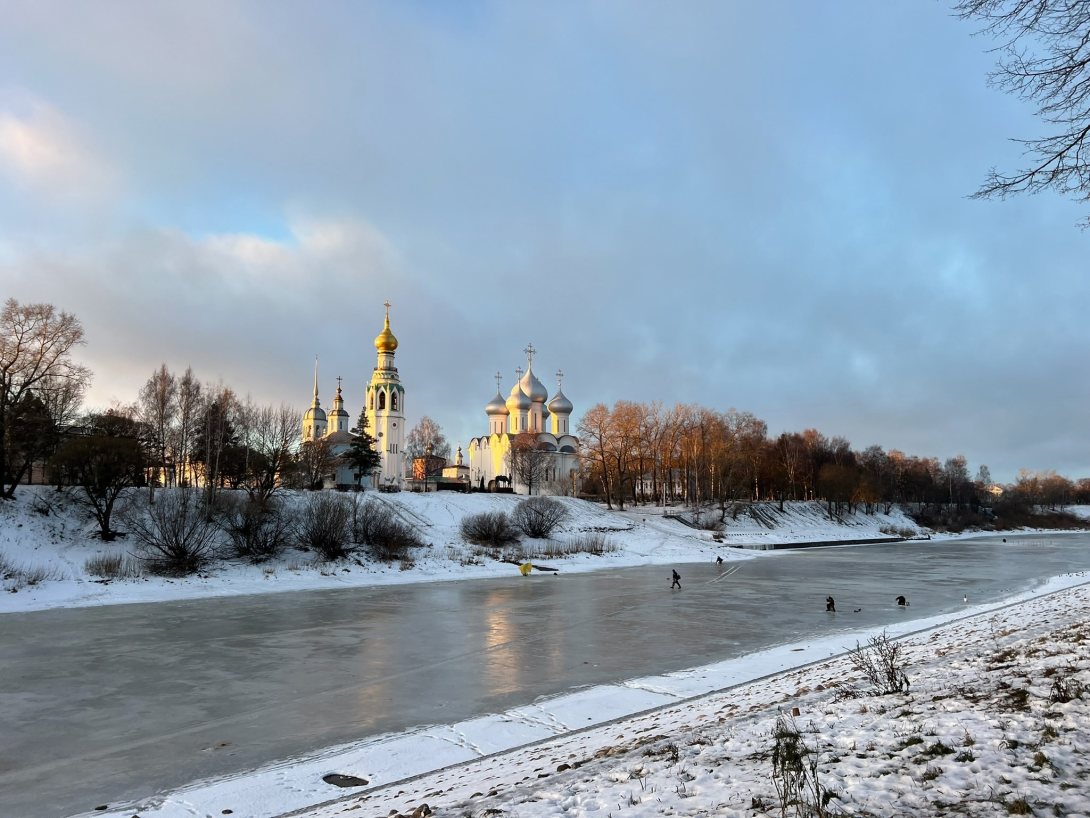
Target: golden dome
(385, 340)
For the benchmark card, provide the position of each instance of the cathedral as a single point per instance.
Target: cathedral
(525, 411)
(384, 399)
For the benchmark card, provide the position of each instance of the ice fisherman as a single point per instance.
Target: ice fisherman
(902, 601)
(718, 560)
(830, 604)
(677, 580)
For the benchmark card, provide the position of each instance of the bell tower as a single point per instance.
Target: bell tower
(385, 402)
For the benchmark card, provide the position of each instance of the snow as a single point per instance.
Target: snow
(60, 542)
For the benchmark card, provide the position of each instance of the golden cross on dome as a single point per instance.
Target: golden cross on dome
(387, 305)
(338, 383)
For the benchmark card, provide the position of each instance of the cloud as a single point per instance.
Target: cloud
(665, 211)
(44, 153)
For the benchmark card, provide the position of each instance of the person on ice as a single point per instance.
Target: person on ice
(902, 601)
(677, 581)
(718, 560)
(830, 605)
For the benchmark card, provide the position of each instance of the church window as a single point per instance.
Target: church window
(393, 401)
(381, 400)
(371, 401)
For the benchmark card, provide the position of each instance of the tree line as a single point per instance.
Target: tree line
(183, 432)
(179, 431)
(649, 453)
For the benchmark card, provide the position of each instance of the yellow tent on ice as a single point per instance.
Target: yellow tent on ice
(525, 569)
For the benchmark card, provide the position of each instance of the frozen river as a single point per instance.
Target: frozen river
(99, 705)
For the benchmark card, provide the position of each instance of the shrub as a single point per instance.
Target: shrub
(257, 530)
(707, 522)
(113, 566)
(367, 516)
(392, 540)
(490, 528)
(387, 538)
(881, 661)
(176, 534)
(325, 525)
(538, 517)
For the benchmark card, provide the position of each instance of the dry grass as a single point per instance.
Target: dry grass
(113, 566)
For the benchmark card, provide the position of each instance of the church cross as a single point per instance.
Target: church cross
(338, 384)
(518, 373)
(530, 354)
(559, 378)
(499, 378)
(386, 304)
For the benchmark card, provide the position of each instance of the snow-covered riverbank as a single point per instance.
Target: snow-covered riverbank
(55, 546)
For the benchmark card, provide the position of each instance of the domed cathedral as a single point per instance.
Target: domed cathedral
(527, 408)
(385, 402)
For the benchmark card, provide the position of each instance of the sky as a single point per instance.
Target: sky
(758, 206)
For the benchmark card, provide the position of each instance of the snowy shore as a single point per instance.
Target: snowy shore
(57, 546)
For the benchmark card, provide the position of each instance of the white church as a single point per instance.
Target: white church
(527, 409)
(385, 402)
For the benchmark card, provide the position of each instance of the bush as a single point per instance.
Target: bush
(113, 566)
(325, 525)
(492, 529)
(707, 522)
(257, 530)
(538, 517)
(386, 537)
(367, 516)
(177, 534)
(392, 539)
(881, 661)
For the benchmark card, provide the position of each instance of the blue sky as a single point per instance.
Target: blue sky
(759, 206)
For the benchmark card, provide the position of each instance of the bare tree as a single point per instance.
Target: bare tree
(594, 435)
(270, 439)
(424, 434)
(36, 343)
(527, 460)
(316, 461)
(189, 408)
(216, 432)
(1045, 47)
(157, 406)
